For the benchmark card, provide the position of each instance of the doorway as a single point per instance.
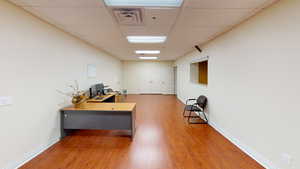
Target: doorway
(175, 79)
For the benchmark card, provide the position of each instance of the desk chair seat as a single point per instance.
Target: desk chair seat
(192, 108)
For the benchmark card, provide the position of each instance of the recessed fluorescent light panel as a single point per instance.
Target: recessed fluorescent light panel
(148, 58)
(146, 39)
(151, 3)
(149, 52)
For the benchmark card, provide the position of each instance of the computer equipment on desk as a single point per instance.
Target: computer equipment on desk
(97, 90)
(100, 88)
(107, 91)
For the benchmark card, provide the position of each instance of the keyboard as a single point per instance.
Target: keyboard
(98, 97)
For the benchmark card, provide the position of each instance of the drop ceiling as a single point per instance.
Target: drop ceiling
(194, 23)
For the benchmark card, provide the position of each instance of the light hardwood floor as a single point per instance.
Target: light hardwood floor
(163, 140)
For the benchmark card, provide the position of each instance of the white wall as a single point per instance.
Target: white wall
(148, 77)
(254, 84)
(35, 60)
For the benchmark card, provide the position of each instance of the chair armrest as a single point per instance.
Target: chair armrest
(196, 105)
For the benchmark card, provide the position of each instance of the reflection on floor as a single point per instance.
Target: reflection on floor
(163, 140)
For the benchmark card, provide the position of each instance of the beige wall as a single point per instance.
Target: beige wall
(254, 84)
(148, 77)
(35, 60)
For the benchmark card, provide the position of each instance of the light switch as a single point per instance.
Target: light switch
(286, 160)
(5, 100)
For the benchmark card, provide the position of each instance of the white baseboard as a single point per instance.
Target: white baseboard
(138, 93)
(249, 151)
(32, 155)
(180, 99)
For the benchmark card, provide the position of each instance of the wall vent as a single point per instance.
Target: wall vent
(128, 16)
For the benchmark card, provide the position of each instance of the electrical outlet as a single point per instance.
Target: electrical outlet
(5, 100)
(286, 160)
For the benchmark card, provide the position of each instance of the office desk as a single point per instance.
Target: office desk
(104, 116)
(106, 98)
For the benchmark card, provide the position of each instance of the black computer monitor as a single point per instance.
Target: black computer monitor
(93, 91)
(100, 88)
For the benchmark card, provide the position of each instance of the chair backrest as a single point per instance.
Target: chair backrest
(202, 101)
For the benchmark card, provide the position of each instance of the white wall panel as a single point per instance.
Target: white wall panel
(148, 77)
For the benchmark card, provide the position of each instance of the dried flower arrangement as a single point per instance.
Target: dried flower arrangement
(78, 96)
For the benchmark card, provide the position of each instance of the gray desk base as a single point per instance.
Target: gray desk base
(102, 120)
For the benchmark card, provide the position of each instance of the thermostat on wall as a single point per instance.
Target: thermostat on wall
(5, 100)
(91, 71)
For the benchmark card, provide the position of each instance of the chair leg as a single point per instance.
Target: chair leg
(184, 112)
(189, 116)
(205, 121)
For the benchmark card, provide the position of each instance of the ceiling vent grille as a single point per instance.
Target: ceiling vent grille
(128, 16)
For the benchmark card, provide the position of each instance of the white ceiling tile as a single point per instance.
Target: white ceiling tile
(194, 36)
(75, 16)
(165, 17)
(60, 3)
(219, 4)
(98, 32)
(211, 17)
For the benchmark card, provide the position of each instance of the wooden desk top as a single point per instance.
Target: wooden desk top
(102, 107)
(102, 99)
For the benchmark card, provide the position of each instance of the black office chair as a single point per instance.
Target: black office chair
(198, 106)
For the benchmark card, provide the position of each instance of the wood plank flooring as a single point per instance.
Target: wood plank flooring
(163, 140)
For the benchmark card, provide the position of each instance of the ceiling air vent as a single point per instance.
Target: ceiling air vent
(128, 16)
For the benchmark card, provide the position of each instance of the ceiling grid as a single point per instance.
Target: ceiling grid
(193, 23)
